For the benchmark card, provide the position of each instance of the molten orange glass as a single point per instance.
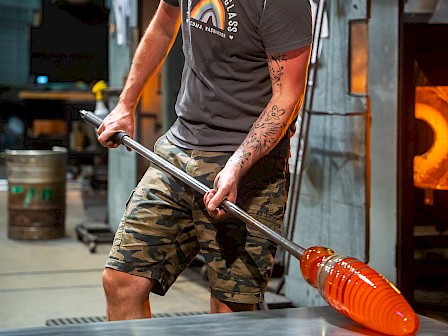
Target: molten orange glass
(359, 292)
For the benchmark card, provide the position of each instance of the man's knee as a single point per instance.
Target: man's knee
(110, 284)
(118, 285)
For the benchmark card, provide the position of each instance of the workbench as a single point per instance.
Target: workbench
(322, 321)
(70, 96)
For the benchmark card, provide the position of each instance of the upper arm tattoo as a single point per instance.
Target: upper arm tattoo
(276, 67)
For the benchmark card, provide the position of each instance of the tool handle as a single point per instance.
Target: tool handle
(91, 118)
(96, 121)
(232, 208)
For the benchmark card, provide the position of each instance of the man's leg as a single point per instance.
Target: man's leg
(156, 239)
(239, 258)
(127, 296)
(219, 306)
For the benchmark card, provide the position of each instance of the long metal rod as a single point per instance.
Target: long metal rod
(124, 139)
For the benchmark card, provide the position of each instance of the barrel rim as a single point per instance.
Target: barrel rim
(34, 152)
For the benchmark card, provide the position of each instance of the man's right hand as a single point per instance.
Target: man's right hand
(120, 119)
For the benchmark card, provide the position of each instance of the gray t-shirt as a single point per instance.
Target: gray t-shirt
(225, 81)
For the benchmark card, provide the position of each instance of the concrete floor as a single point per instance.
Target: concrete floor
(58, 279)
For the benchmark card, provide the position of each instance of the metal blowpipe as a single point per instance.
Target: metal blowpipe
(347, 284)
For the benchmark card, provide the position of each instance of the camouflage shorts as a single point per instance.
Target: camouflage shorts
(165, 226)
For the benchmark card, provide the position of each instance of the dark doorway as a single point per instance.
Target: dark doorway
(422, 248)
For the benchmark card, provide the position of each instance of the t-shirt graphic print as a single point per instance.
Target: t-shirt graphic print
(215, 17)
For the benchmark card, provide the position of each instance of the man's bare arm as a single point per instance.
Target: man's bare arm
(150, 54)
(288, 73)
(151, 51)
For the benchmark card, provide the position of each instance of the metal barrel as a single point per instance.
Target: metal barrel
(36, 193)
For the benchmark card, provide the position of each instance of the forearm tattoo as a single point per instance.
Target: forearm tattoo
(265, 132)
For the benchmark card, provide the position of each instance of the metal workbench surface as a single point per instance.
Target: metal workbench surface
(291, 321)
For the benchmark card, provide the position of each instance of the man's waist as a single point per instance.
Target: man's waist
(218, 140)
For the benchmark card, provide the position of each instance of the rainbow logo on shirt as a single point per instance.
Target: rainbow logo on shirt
(207, 10)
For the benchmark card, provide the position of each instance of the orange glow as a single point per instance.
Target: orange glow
(310, 263)
(359, 292)
(431, 167)
(359, 41)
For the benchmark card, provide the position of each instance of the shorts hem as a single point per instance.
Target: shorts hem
(237, 297)
(158, 288)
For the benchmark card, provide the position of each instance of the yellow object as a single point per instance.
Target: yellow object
(98, 89)
(100, 108)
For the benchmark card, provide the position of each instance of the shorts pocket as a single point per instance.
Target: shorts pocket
(158, 143)
(263, 191)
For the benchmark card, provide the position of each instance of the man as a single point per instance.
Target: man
(242, 88)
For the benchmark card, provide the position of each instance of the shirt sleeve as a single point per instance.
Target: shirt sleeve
(172, 2)
(286, 25)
